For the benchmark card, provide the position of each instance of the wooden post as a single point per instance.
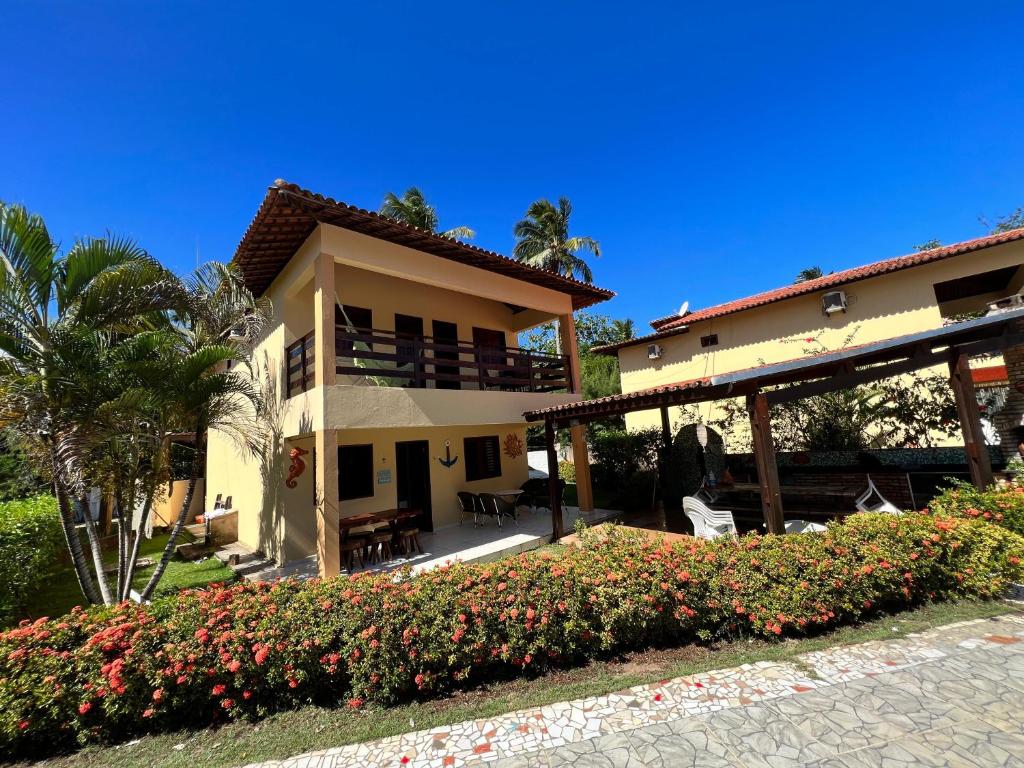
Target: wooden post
(580, 454)
(554, 487)
(665, 454)
(328, 511)
(978, 459)
(767, 469)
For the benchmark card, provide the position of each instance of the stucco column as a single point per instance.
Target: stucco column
(328, 550)
(324, 367)
(326, 458)
(580, 454)
(1008, 420)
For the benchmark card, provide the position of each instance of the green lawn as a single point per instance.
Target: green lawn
(314, 728)
(602, 499)
(59, 592)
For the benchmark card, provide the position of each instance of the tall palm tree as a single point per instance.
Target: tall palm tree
(59, 317)
(811, 273)
(218, 326)
(542, 240)
(412, 208)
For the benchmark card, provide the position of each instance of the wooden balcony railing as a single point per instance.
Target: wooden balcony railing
(386, 359)
(299, 358)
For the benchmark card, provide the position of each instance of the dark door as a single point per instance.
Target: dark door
(446, 333)
(490, 350)
(409, 328)
(412, 467)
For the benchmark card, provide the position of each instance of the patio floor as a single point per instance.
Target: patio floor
(465, 543)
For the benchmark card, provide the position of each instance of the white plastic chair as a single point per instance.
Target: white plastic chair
(708, 523)
(881, 504)
(803, 526)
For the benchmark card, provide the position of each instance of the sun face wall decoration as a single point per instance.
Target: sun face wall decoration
(513, 445)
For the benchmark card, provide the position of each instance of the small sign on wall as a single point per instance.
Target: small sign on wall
(383, 476)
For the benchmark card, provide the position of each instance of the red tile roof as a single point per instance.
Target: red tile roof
(289, 213)
(839, 278)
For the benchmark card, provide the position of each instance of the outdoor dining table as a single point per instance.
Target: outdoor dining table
(367, 520)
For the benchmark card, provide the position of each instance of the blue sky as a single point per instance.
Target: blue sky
(714, 152)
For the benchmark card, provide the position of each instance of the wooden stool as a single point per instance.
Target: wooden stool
(409, 540)
(351, 550)
(380, 546)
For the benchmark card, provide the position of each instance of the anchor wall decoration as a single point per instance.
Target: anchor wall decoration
(448, 461)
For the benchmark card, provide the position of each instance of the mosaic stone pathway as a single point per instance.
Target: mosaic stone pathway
(952, 696)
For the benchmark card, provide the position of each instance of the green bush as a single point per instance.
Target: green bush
(244, 650)
(31, 540)
(624, 465)
(567, 471)
(1003, 505)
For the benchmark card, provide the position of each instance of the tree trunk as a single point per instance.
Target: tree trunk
(134, 558)
(78, 561)
(97, 555)
(197, 466)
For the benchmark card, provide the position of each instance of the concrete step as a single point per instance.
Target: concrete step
(236, 554)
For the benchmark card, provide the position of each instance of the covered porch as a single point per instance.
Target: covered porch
(951, 346)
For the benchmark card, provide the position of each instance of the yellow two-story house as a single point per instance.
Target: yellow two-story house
(878, 301)
(391, 371)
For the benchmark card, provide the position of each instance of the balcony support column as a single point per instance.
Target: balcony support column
(325, 368)
(580, 454)
(328, 512)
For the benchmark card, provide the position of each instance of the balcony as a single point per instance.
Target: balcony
(378, 358)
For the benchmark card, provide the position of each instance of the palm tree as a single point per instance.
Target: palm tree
(542, 240)
(413, 209)
(59, 318)
(811, 273)
(218, 326)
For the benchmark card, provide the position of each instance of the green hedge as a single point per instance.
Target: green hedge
(242, 651)
(31, 540)
(1002, 505)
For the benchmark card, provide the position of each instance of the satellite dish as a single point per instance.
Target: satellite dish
(683, 308)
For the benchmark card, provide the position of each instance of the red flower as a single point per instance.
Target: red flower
(218, 689)
(234, 665)
(158, 695)
(84, 707)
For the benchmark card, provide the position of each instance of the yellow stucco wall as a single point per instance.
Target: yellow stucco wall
(386, 278)
(445, 482)
(879, 308)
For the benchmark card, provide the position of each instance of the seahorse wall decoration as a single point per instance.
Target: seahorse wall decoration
(298, 466)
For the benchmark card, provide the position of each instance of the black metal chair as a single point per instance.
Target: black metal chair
(469, 504)
(499, 507)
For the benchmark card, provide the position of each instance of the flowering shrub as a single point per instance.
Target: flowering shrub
(1002, 505)
(31, 540)
(246, 649)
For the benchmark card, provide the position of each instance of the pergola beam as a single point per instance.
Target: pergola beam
(764, 457)
(978, 460)
(554, 489)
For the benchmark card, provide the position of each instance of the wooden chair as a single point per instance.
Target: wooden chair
(379, 545)
(880, 503)
(499, 507)
(408, 541)
(708, 523)
(352, 550)
(469, 504)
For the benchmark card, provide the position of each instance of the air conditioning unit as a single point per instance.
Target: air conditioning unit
(832, 302)
(654, 351)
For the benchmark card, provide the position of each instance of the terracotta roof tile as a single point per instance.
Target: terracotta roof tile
(839, 278)
(289, 213)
